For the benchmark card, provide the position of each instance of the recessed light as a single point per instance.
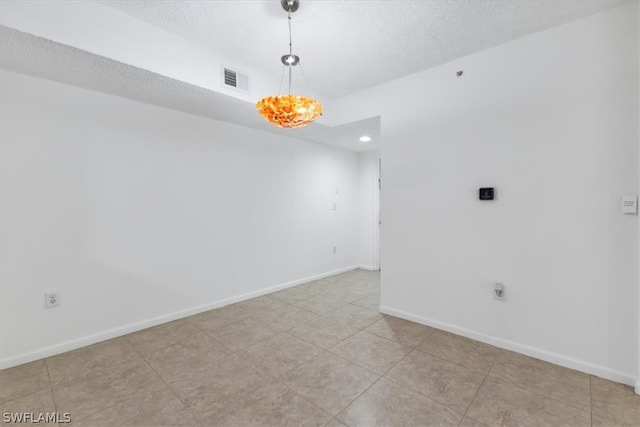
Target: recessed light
(365, 138)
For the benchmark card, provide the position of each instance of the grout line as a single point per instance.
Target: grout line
(160, 376)
(479, 388)
(474, 398)
(53, 395)
(539, 394)
(358, 396)
(419, 392)
(455, 363)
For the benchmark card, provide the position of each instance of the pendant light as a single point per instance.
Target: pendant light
(289, 111)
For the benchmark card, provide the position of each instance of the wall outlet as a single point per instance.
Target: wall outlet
(51, 299)
(498, 291)
(335, 250)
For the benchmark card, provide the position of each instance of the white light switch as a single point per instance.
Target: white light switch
(629, 204)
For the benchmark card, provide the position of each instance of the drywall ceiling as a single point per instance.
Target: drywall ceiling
(348, 46)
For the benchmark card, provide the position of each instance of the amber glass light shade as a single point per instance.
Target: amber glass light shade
(289, 111)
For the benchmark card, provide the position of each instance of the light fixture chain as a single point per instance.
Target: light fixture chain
(290, 41)
(290, 83)
(290, 50)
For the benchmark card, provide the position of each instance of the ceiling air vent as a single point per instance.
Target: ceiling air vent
(233, 79)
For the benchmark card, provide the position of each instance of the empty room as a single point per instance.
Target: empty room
(320, 213)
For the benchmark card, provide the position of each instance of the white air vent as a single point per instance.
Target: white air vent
(234, 79)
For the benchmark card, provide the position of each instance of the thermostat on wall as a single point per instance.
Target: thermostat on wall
(629, 204)
(485, 193)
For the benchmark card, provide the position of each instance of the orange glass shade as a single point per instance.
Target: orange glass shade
(289, 111)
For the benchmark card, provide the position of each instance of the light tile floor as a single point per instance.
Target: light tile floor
(318, 354)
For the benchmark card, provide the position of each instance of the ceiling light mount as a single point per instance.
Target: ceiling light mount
(289, 111)
(290, 5)
(290, 60)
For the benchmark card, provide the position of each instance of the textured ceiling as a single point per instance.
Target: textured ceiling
(348, 46)
(345, 46)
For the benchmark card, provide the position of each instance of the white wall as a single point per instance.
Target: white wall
(550, 120)
(637, 388)
(140, 215)
(367, 226)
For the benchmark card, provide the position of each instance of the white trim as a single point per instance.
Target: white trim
(637, 390)
(367, 267)
(558, 359)
(376, 209)
(138, 326)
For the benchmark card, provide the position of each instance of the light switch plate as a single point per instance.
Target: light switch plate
(629, 204)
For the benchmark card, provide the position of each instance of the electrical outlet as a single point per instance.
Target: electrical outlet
(51, 299)
(498, 291)
(335, 250)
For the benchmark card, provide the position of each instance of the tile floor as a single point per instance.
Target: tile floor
(315, 355)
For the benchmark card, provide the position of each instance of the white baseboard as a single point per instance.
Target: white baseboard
(366, 267)
(557, 359)
(74, 344)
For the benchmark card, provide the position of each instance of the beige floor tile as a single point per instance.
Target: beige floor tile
(23, 380)
(320, 304)
(323, 332)
(273, 405)
(214, 319)
(400, 330)
(156, 407)
(329, 382)
(372, 302)
(40, 402)
(259, 305)
(502, 404)
(163, 335)
(116, 355)
(287, 317)
(613, 401)
(207, 391)
(556, 382)
(195, 353)
(86, 397)
(371, 352)
(607, 422)
(372, 288)
(389, 404)
(452, 385)
(355, 315)
(245, 333)
(460, 350)
(470, 422)
(318, 286)
(334, 423)
(279, 354)
(293, 295)
(348, 294)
